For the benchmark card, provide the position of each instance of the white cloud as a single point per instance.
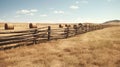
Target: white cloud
(76, 4)
(74, 7)
(31, 14)
(58, 12)
(44, 15)
(34, 10)
(23, 12)
(27, 12)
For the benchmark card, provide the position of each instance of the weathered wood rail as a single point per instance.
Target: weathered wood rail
(36, 35)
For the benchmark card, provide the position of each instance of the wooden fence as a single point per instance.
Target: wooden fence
(38, 35)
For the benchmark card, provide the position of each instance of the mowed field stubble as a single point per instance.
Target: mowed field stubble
(99, 48)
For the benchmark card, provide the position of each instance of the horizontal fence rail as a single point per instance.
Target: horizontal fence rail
(38, 35)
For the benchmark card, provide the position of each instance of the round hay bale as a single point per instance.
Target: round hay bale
(69, 25)
(32, 25)
(85, 25)
(75, 26)
(80, 24)
(60, 26)
(8, 26)
(66, 25)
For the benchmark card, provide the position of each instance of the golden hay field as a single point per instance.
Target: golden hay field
(24, 26)
(100, 48)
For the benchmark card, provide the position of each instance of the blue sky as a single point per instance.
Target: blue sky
(58, 11)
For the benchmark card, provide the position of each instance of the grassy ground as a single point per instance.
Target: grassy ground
(99, 48)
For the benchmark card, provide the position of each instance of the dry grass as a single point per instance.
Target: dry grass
(99, 48)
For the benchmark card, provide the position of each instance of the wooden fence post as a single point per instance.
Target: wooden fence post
(49, 32)
(87, 26)
(102, 27)
(76, 30)
(99, 26)
(66, 32)
(95, 27)
(82, 29)
(80, 25)
(35, 36)
(92, 27)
